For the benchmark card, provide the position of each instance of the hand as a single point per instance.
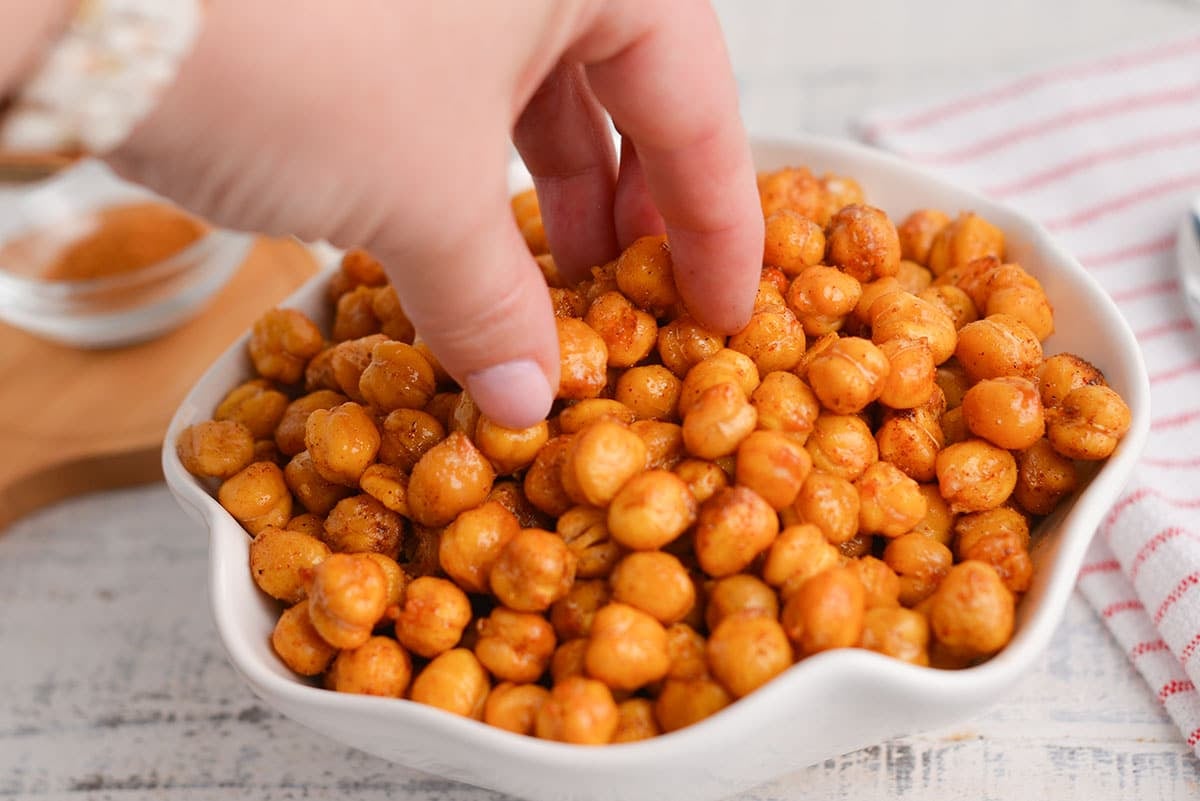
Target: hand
(386, 125)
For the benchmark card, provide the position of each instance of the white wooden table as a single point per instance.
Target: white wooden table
(112, 681)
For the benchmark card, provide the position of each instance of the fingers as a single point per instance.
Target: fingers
(563, 137)
(661, 71)
(634, 214)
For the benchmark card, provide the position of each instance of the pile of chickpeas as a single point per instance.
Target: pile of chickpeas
(859, 467)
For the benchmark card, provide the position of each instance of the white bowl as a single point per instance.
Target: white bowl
(825, 705)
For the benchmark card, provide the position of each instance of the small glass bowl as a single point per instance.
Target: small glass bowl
(114, 310)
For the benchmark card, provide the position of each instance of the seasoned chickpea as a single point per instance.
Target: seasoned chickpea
(629, 333)
(510, 449)
(572, 615)
(1089, 424)
(397, 377)
(1062, 373)
(599, 460)
(635, 721)
(585, 531)
(319, 372)
(871, 292)
(826, 611)
(792, 188)
(651, 392)
(952, 300)
(387, 485)
(683, 343)
(664, 443)
(470, 545)
(739, 595)
(785, 403)
(298, 644)
(863, 242)
(406, 435)
(514, 707)
(360, 523)
(543, 484)
(464, 415)
(920, 562)
(354, 314)
(568, 660)
(254, 404)
(938, 522)
(645, 273)
(397, 579)
(718, 422)
(899, 633)
(745, 653)
(342, 442)
(348, 361)
(880, 582)
(265, 450)
(975, 476)
(579, 710)
(774, 465)
(347, 597)
(831, 503)
(1006, 411)
(821, 297)
(582, 414)
(257, 496)
(999, 537)
(773, 338)
(1044, 477)
(377, 667)
(837, 192)
(656, 583)
(307, 523)
(972, 612)
(393, 320)
(911, 438)
(650, 510)
(952, 380)
(450, 478)
(281, 562)
(734, 526)
(281, 343)
(703, 479)
(792, 241)
(899, 315)
(535, 568)
(890, 503)
(433, 617)
(514, 646)
(842, 445)
(686, 647)
(911, 375)
(967, 238)
(310, 488)
(954, 427)
(420, 555)
(856, 547)
(289, 433)
(998, 345)
(918, 231)
(583, 359)
(453, 681)
(568, 302)
(627, 648)
(849, 375)
(913, 277)
(215, 448)
(727, 366)
(683, 702)
(798, 553)
(358, 268)
(1028, 304)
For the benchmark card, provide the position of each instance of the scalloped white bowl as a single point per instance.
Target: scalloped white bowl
(824, 706)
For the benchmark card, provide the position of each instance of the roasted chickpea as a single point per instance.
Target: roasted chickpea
(920, 562)
(406, 435)
(1006, 411)
(360, 523)
(568, 302)
(572, 615)
(718, 422)
(310, 488)
(342, 442)
(975, 476)
(579, 710)
(281, 562)
(746, 652)
(514, 646)
(899, 315)
(510, 449)
(863, 242)
(972, 612)
(307, 523)
(397, 377)
(347, 598)
(683, 702)
(433, 617)
(298, 643)
(1044, 477)
(664, 442)
(734, 526)
(683, 343)
(420, 555)
(534, 569)
(727, 366)
(599, 460)
(703, 479)
(967, 238)
(543, 484)
(585, 531)
(890, 503)
(319, 372)
(348, 361)
(651, 392)
(582, 414)
(952, 380)
(450, 478)
(257, 496)
(254, 404)
(739, 595)
(645, 273)
(281, 343)
(358, 268)
(397, 579)
(826, 611)
(841, 445)
(514, 707)
(354, 314)
(785, 403)
(911, 438)
(1089, 424)
(792, 241)
(635, 721)
(799, 553)
(837, 192)
(470, 545)
(773, 338)
(831, 503)
(856, 547)
(650, 510)
(568, 660)
(954, 427)
(583, 359)
(880, 582)
(999, 537)
(656, 583)
(1028, 304)
(686, 647)
(774, 465)
(792, 188)
(289, 433)
(899, 633)
(918, 231)
(821, 297)
(1062, 373)
(911, 375)
(464, 415)
(998, 345)
(215, 448)
(849, 375)
(627, 648)
(872, 291)
(629, 333)
(453, 681)
(913, 277)
(952, 300)
(393, 320)
(387, 485)
(938, 522)
(377, 667)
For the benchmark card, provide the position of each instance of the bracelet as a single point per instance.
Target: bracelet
(102, 77)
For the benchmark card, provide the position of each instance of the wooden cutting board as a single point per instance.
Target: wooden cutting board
(75, 421)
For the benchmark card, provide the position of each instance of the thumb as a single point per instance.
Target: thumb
(480, 302)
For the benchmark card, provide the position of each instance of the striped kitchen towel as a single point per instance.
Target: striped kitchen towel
(1106, 154)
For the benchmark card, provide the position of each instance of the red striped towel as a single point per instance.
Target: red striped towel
(1106, 154)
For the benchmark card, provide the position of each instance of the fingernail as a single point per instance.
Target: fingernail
(515, 394)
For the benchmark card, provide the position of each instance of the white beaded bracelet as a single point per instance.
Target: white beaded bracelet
(102, 76)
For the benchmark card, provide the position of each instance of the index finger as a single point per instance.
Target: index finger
(662, 71)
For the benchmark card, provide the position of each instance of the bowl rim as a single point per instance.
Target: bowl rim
(982, 681)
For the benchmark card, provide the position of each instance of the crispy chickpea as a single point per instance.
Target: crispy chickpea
(880, 582)
(651, 392)
(342, 442)
(746, 652)
(645, 273)
(254, 404)
(703, 479)
(967, 238)
(1028, 304)
(397, 579)
(938, 522)
(954, 427)
(792, 188)
(572, 615)
(568, 660)
(393, 320)
(773, 338)
(450, 478)
(656, 583)
(856, 547)
(281, 560)
(890, 503)
(683, 702)
(785, 403)
(354, 314)
(896, 632)
(583, 358)
(837, 192)
(972, 612)
(910, 380)
(298, 644)
(514, 707)
(1006, 411)
(348, 361)
(257, 496)
(406, 435)
(718, 422)
(975, 476)
(514, 646)
(627, 648)
(543, 484)
(215, 448)
(683, 343)
(265, 450)
(1062, 373)
(347, 597)
(629, 333)
(999, 537)
(319, 372)
(871, 292)
(509, 494)
(281, 343)
(650, 510)
(726, 366)
(799, 553)
(534, 569)
(585, 531)
(821, 297)
(899, 315)
(453, 681)
(387, 485)
(842, 445)
(663, 440)
(635, 721)
(686, 647)
(360, 523)
(952, 300)
(774, 465)
(1089, 423)
(920, 562)
(377, 667)
(1044, 477)
(734, 526)
(849, 375)
(568, 303)
(464, 415)
(510, 449)
(307, 523)
(599, 460)
(739, 595)
(581, 414)
(911, 438)
(831, 503)
(359, 267)
(580, 711)
(470, 545)
(792, 241)
(420, 555)
(826, 611)
(289, 432)
(998, 345)
(952, 380)
(397, 377)
(863, 242)
(918, 231)
(913, 277)
(434, 615)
